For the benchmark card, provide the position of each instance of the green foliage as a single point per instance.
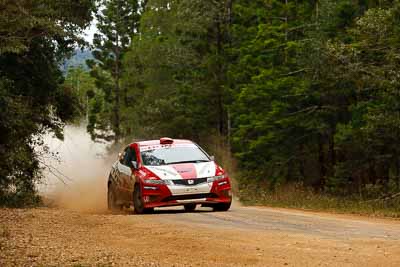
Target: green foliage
(175, 71)
(268, 87)
(305, 91)
(35, 36)
(22, 22)
(315, 93)
(370, 137)
(118, 22)
(82, 86)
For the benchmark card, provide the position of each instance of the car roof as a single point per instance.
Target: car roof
(157, 142)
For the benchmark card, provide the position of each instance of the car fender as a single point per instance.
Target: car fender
(113, 174)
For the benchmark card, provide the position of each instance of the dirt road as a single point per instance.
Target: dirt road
(244, 236)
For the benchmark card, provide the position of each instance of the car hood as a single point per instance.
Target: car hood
(184, 170)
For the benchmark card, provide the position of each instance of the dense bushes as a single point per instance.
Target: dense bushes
(35, 36)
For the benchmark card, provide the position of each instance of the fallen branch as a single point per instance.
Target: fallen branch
(385, 198)
(58, 174)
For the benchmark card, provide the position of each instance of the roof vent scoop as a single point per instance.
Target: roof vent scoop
(166, 141)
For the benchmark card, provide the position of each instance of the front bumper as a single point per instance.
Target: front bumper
(206, 193)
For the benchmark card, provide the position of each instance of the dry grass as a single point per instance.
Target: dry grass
(296, 196)
(218, 146)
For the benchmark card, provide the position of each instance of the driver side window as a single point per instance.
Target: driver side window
(129, 156)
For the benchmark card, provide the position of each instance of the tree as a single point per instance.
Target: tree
(268, 85)
(35, 36)
(118, 22)
(367, 142)
(305, 91)
(318, 104)
(175, 70)
(82, 84)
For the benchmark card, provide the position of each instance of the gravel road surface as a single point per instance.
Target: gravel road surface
(243, 236)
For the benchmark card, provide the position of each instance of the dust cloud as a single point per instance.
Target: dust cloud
(77, 180)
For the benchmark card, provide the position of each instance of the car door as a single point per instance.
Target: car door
(117, 174)
(133, 163)
(125, 169)
(116, 179)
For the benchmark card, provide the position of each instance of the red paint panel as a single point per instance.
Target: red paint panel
(186, 170)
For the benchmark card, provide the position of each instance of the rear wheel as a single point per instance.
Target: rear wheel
(222, 206)
(190, 207)
(138, 203)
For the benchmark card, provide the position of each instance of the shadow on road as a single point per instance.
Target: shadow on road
(157, 211)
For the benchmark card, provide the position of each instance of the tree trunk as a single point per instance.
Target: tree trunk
(397, 174)
(331, 152)
(302, 163)
(219, 88)
(321, 161)
(117, 117)
(286, 30)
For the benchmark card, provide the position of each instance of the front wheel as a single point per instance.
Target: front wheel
(222, 206)
(138, 203)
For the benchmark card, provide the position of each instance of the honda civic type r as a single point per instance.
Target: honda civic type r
(167, 172)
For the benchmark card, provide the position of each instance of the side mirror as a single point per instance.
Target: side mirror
(134, 164)
(212, 158)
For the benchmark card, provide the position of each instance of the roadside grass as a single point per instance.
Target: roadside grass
(294, 195)
(298, 197)
(218, 146)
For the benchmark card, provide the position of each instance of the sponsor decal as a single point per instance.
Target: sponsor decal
(155, 147)
(186, 170)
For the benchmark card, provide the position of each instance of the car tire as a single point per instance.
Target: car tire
(111, 200)
(138, 203)
(222, 206)
(190, 207)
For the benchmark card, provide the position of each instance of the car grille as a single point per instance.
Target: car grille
(196, 181)
(192, 196)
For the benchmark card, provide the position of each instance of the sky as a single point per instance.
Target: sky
(90, 31)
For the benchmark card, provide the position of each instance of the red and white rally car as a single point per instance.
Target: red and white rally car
(167, 172)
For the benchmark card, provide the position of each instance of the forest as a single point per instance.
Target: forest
(296, 92)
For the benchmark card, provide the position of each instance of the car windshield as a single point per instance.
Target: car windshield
(173, 155)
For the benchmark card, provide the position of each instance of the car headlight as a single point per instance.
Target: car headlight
(159, 182)
(215, 178)
(153, 181)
